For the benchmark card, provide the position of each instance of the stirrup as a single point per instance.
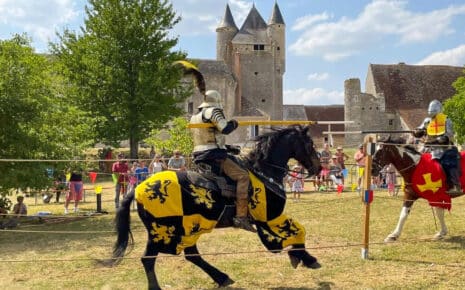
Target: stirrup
(243, 223)
(455, 190)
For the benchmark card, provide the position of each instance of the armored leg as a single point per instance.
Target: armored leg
(241, 176)
(450, 161)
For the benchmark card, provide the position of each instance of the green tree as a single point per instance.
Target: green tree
(35, 120)
(121, 69)
(175, 136)
(454, 108)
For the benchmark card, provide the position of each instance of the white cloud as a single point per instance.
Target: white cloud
(308, 20)
(454, 56)
(198, 14)
(318, 76)
(41, 19)
(380, 21)
(315, 96)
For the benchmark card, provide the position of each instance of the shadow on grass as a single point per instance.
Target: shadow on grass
(459, 240)
(49, 238)
(321, 286)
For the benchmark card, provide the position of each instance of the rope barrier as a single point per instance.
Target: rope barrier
(217, 254)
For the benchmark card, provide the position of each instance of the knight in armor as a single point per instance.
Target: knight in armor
(437, 129)
(210, 149)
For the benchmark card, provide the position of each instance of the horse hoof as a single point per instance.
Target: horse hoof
(438, 237)
(294, 261)
(315, 265)
(390, 239)
(226, 282)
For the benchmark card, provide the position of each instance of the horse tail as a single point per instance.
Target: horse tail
(123, 228)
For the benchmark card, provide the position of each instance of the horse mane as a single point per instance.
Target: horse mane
(266, 141)
(399, 141)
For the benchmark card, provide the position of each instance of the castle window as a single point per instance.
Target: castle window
(256, 73)
(391, 122)
(190, 107)
(258, 47)
(263, 100)
(278, 48)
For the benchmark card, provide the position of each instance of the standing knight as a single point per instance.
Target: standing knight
(439, 134)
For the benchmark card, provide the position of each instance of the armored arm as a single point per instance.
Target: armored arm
(216, 116)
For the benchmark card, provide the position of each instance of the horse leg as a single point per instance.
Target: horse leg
(392, 237)
(193, 256)
(439, 211)
(298, 254)
(148, 260)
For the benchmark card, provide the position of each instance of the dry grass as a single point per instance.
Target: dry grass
(65, 260)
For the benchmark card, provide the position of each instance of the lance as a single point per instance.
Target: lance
(387, 131)
(262, 122)
(368, 132)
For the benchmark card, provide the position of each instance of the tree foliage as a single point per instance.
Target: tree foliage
(120, 66)
(36, 122)
(176, 136)
(455, 108)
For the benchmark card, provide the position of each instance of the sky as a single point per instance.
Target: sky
(327, 41)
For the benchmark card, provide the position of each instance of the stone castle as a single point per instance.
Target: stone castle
(248, 73)
(248, 70)
(396, 96)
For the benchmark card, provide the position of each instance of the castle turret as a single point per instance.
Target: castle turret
(277, 34)
(353, 109)
(225, 33)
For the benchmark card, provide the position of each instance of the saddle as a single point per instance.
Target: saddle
(213, 182)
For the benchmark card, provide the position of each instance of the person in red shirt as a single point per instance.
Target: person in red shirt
(120, 168)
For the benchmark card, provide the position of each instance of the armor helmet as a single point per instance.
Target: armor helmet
(212, 99)
(434, 108)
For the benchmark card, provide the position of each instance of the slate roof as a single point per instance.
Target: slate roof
(248, 109)
(408, 89)
(294, 112)
(253, 30)
(276, 16)
(325, 113)
(228, 20)
(213, 67)
(408, 86)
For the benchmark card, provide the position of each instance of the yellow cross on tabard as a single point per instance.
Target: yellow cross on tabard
(429, 184)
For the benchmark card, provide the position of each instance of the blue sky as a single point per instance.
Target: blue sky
(328, 41)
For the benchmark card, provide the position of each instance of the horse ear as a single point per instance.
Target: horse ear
(306, 131)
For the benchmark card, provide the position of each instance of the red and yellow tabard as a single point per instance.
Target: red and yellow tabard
(437, 126)
(429, 181)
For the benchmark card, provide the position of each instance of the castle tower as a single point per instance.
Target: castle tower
(352, 109)
(277, 34)
(258, 62)
(225, 32)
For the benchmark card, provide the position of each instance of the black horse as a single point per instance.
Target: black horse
(176, 207)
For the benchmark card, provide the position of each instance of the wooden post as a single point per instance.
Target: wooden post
(367, 195)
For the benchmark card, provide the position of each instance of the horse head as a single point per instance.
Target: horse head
(395, 151)
(274, 149)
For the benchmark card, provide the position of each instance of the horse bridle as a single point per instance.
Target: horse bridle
(400, 170)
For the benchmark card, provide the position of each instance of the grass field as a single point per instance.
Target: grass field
(60, 253)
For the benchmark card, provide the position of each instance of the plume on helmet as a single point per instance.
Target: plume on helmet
(190, 68)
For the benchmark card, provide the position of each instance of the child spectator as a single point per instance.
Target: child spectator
(20, 208)
(76, 187)
(142, 172)
(297, 181)
(391, 179)
(335, 171)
